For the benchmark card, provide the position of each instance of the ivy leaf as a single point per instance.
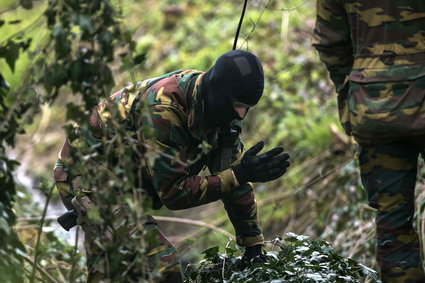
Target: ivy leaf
(85, 23)
(15, 22)
(369, 272)
(3, 83)
(74, 112)
(139, 58)
(26, 4)
(211, 253)
(11, 53)
(4, 226)
(128, 36)
(50, 15)
(26, 44)
(230, 251)
(93, 214)
(57, 30)
(59, 75)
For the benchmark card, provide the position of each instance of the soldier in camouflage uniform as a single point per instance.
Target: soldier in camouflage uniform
(375, 54)
(189, 108)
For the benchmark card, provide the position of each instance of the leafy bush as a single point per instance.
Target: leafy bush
(297, 109)
(297, 259)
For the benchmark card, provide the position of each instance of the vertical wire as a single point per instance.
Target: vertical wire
(239, 25)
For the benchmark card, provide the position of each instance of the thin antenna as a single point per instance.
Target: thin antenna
(240, 25)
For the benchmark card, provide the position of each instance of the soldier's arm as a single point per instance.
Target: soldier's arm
(62, 178)
(331, 38)
(176, 187)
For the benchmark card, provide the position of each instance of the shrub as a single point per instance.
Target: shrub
(294, 259)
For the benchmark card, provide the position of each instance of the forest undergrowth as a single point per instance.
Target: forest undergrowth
(315, 219)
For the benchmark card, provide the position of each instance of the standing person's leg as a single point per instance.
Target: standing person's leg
(103, 263)
(388, 174)
(163, 254)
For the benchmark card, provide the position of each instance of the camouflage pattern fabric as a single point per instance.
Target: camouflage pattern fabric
(180, 130)
(375, 54)
(177, 118)
(388, 174)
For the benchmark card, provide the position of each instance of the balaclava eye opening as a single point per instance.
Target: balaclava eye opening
(237, 76)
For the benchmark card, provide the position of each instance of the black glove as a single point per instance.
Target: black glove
(253, 254)
(261, 168)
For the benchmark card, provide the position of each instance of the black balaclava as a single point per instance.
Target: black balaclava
(237, 76)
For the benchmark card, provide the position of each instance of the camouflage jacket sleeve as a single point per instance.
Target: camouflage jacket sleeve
(62, 177)
(170, 171)
(331, 38)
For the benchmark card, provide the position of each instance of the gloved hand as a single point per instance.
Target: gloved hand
(261, 168)
(253, 254)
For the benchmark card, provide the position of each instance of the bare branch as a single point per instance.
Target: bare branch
(41, 270)
(159, 218)
(74, 252)
(40, 230)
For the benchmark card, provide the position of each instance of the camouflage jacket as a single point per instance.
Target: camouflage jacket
(177, 118)
(365, 45)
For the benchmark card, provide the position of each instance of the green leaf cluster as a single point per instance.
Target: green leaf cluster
(11, 249)
(83, 37)
(294, 259)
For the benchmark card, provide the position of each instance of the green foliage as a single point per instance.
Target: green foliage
(294, 259)
(83, 38)
(10, 52)
(83, 47)
(11, 249)
(84, 67)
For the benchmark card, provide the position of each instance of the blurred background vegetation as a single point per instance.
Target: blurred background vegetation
(320, 196)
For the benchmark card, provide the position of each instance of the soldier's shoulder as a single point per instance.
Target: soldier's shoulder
(168, 92)
(185, 77)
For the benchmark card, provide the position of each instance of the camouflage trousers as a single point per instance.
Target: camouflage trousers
(388, 173)
(161, 254)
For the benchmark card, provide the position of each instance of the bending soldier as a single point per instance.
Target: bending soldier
(375, 54)
(190, 108)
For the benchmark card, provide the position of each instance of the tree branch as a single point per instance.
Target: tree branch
(41, 270)
(159, 218)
